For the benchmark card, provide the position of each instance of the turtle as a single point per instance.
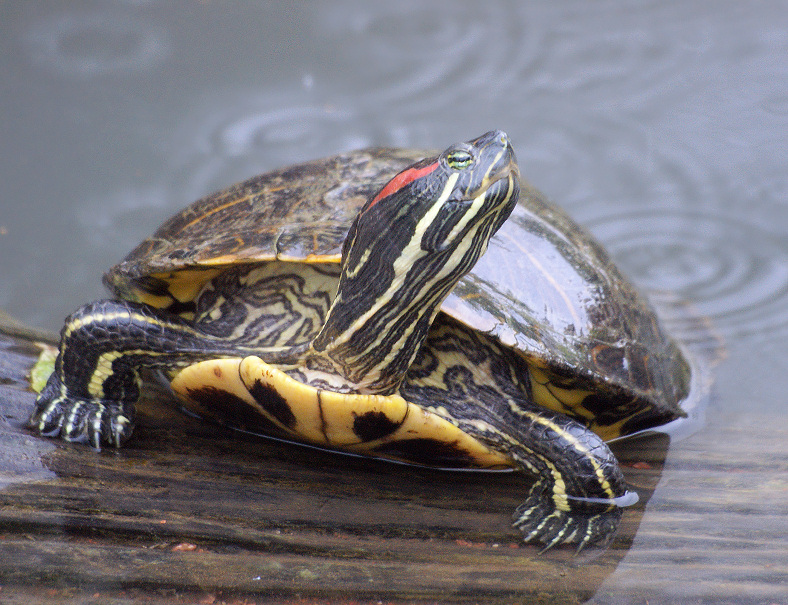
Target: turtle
(348, 303)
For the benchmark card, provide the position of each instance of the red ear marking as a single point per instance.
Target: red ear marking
(401, 180)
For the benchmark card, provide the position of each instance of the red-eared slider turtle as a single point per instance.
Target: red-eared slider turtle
(336, 302)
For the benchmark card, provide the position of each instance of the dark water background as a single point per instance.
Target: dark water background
(663, 126)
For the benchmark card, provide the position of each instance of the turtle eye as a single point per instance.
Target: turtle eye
(459, 159)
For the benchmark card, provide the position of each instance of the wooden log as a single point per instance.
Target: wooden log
(189, 512)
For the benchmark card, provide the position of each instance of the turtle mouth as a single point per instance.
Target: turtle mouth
(503, 175)
(502, 193)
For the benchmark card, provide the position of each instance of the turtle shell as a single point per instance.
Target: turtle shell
(544, 287)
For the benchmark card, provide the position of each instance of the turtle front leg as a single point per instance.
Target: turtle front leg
(579, 490)
(82, 419)
(91, 394)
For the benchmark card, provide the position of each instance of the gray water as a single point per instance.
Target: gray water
(663, 126)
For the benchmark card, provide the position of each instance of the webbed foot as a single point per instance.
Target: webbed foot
(80, 420)
(91, 394)
(587, 521)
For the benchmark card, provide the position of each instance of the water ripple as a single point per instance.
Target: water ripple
(628, 63)
(249, 132)
(735, 273)
(420, 57)
(95, 44)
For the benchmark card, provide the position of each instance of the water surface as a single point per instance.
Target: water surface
(661, 126)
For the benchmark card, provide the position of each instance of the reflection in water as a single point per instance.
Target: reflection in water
(735, 272)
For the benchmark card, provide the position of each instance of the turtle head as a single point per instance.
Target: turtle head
(431, 205)
(406, 250)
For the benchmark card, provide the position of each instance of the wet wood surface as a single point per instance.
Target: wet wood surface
(189, 512)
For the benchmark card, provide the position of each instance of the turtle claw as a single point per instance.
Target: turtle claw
(541, 521)
(85, 423)
(80, 420)
(95, 422)
(47, 418)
